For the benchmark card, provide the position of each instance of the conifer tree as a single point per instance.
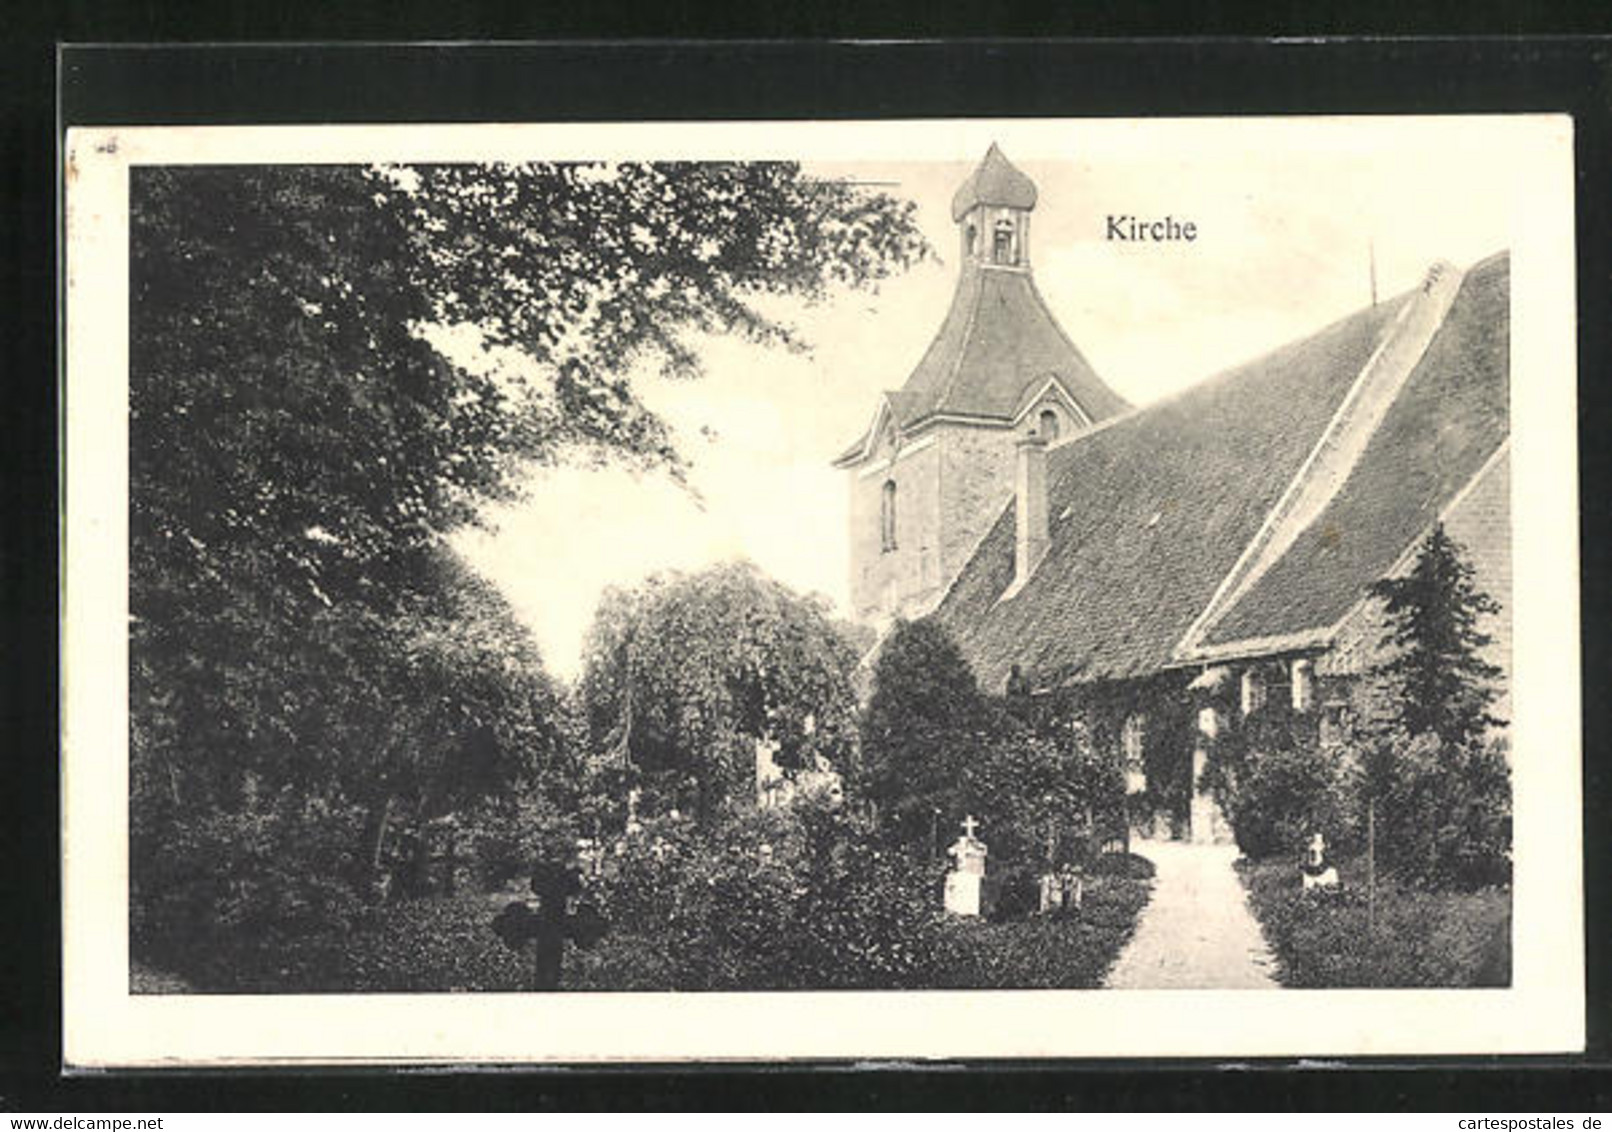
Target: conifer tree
(1440, 783)
(923, 720)
(1436, 677)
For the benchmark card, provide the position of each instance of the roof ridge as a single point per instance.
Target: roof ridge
(964, 339)
(1305, 497)
(1132, 412)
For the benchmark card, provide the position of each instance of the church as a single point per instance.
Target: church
(1183, 562)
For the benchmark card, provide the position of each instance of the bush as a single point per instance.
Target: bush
(1127, 865)
(272, 871)
(434, 944)
(1277, 786)
(509, 836)
(1443, 811)
(833, 907)
(1043, 790)
(1068, 952)
(925, 720)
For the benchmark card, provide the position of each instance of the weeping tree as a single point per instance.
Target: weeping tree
(687, 675)
(299, 446)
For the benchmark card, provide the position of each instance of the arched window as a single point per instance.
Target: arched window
(1002, 250)
(887, 517)
(1253, 691)
(1302, 674)
(1049, 427)
(1133, 737)
(973, 240)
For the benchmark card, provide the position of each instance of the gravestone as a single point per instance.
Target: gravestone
(965, 884)
(1317, 870)
(1062, 891)
(589, 856)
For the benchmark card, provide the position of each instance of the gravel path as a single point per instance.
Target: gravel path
(1196, 931)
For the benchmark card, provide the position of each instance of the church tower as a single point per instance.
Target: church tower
(936, 465)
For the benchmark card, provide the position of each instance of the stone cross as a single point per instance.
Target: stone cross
(965, 893)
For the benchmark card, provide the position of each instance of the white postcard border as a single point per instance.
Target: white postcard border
(104, 1025)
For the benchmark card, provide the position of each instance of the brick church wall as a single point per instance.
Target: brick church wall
(907, 580)
(976, 476)
(1481, 523)
(948, 495)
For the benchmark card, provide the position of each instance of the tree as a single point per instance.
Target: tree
(297, 442)
(285, 395)
(1435, 676)
(299, 447)
(685, 676)
(295, 437)
(1041, 786)
(1439, 780)
(923, 720)
(465, 713)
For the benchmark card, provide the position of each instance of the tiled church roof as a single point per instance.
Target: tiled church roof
(1449, 418)
(997, 339)
(1149, 512)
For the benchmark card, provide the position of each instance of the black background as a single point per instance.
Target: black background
(716, 80)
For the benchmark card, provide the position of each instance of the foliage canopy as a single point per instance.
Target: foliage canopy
(300, 447)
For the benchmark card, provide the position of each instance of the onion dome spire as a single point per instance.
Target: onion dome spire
(995, 183)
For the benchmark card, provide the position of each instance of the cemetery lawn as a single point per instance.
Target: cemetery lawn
(445, 943)
(1422, 939)
(437, 943)
(1042, 952)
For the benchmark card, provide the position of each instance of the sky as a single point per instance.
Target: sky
(1290, 217)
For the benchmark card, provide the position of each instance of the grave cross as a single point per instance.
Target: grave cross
(560, 915)
(969, 826)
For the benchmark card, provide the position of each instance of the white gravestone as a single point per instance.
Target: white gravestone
(1318, 871)
(967, 878)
